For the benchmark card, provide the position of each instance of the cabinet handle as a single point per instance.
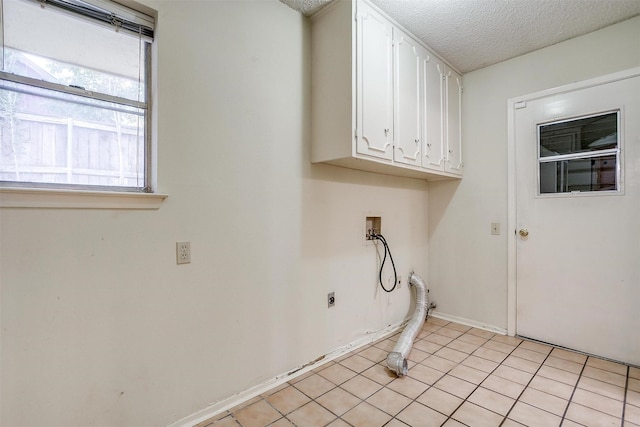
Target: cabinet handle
(429, 145)
(417, 141)
(386, 132)
(450, 151)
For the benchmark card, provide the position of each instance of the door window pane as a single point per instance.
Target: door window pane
(579, 136)
(580, 155)
(596, 174)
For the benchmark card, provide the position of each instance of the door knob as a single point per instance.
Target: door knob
(523, 232)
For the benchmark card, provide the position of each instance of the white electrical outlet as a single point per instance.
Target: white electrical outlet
(495, 228)
(183, 252)
(331, 299)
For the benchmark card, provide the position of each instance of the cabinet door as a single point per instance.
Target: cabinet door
(453, 163)
(374, 84)
(433, 146)
(408, 109)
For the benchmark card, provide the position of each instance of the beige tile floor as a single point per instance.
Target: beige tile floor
(458, 376)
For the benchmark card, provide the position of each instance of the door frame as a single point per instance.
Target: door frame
(512, 106)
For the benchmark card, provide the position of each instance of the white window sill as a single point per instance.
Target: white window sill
(13, 197)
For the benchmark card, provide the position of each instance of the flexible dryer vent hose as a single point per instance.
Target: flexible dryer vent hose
(397, 359)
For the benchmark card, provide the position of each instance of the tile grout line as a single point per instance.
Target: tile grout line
(385, 386)
(458, 364)
(480, 384)
(527, 386)
(626, 392)
(414, 400)
(313, 372)
(597, 392)
(338, 417)
(575, 387)
(357, 374)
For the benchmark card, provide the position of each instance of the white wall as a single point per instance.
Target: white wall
(468, 265)
(100, 327)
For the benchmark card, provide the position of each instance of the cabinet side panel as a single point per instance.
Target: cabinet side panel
(332, 92)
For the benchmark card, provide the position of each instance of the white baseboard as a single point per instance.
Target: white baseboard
(468, 322)
(228, 403)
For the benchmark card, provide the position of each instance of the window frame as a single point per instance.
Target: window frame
(584, 155)
(145, 105)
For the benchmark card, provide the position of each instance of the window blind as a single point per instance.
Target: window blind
(107, 12)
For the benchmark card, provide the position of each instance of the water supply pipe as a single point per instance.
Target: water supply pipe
(397, 359)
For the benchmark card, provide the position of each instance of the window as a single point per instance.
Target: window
(580, 155)
(74, 95)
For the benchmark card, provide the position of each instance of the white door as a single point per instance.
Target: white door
(375, 84)
(577, 159)
(408, 108)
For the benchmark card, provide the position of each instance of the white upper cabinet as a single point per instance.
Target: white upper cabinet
(409, 110)
(433, 147)
(374, 84)
(380, 100)
(442, 148)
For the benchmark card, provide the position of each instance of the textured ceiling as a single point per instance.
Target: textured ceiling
(473, 34)
(306, 7)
